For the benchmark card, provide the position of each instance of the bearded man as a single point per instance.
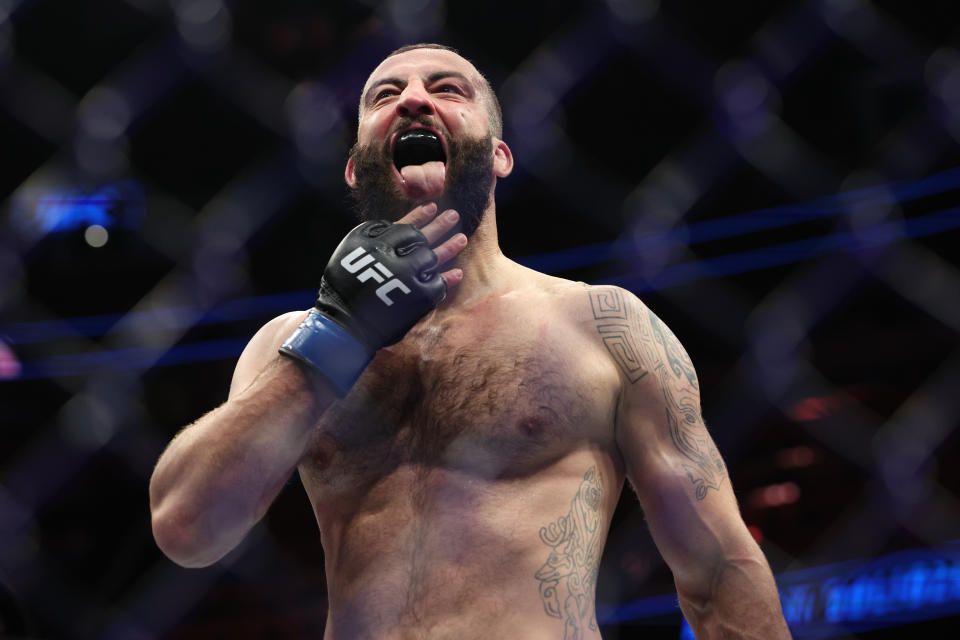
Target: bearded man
(462, 425)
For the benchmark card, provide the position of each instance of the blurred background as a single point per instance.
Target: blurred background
(779, 181)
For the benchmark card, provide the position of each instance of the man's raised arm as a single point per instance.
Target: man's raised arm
(724, 583)
(219, 475)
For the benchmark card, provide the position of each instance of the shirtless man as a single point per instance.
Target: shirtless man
(463, 436)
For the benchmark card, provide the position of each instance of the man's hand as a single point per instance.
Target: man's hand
(434, 228)
(218, 476)
(380, 281)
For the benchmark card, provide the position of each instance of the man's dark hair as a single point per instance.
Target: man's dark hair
(494, 112)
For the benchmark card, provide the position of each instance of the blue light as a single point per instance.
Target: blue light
(131, 359)
(67, 213)
(162, 319)
(118, 204)
(755, 221)
(856, 596)
(798, 603)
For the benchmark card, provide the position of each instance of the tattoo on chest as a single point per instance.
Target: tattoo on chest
(640, 344)
(568, 578)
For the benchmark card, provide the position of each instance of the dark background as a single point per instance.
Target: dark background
(692, 152)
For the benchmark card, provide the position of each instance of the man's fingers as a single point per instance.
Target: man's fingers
(450, 248)
(432, 226)
(440, 226)
(452, 277)
(420, 216)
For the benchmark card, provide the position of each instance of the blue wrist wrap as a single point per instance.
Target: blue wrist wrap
(328, 348)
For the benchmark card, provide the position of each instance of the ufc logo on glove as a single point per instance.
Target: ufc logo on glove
(346, 326)
(358, 259)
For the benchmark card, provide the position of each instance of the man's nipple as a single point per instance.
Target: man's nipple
(533, 426)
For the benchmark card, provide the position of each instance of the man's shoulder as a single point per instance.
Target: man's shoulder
(588, 303)
(615, 321)
(610, 302)
(562, 298)
(595, 310)
(578, 301)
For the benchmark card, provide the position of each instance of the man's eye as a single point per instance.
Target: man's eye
(384, 94)
(449, 88)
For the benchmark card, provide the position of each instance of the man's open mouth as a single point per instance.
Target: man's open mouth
(417, 146)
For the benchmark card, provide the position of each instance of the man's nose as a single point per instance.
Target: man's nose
(415, 100)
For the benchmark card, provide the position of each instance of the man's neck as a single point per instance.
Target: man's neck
(485, 268)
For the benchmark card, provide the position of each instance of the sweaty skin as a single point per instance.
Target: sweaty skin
(464, 487)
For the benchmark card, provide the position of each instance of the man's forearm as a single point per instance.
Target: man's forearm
(218, 476)
(743, 603)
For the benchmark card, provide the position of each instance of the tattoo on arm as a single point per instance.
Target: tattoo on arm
(611, 314)
(704, 465)
(677, 356)
(633, 346)
(568, 578)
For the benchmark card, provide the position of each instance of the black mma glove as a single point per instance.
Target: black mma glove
(379, 282)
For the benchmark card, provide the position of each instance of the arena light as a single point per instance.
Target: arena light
(819, 407)
(749, 222)
(774, 495)
(871, 239)
(10, 366)
(674, 275)
(63, 208)
(130, 359)
(796, 457)
(836, 600)
(75, 212)
(165, 318)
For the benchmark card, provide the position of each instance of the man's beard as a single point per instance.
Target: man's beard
(469, 172)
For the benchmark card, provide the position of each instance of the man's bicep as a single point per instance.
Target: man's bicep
(660, 397)
(671, 460)
(688, 502)
(262, 349)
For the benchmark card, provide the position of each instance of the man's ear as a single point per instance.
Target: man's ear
(502, 159)
(349, 175)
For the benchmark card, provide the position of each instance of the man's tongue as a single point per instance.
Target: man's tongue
(419, 156)
(423, 181)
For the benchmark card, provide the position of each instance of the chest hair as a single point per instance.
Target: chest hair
(488, 396)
